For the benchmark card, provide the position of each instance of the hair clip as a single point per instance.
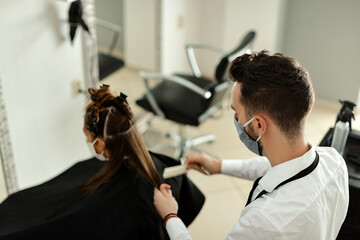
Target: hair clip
(123, 97)
(93, 127)
(117, 102)
(105, 85)
(93, 97)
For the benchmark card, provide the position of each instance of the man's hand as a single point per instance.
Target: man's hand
(203, 162)
(164, 202)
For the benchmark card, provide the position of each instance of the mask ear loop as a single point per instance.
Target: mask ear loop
(93, 144)
(247, 123)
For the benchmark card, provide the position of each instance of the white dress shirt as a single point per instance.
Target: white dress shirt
(312, 207)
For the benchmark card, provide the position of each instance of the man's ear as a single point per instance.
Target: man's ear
(261, 125)
(99, 146)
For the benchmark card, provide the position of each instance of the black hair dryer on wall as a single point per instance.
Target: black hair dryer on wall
(76, 19)
(343, 126)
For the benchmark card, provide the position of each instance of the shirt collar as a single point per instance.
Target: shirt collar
(286, 170)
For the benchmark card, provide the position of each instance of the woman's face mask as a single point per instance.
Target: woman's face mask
(251, 144)
(99, 156)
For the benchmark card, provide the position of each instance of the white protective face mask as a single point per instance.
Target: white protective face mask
(99, 156)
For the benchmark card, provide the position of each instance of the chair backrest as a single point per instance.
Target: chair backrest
(218, 91)
(245, 46)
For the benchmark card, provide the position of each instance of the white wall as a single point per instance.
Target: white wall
(139, 34)
(218, 22)
(324, 35)
(173, 36)
(37, 67)
(260, 15)
(205, 24)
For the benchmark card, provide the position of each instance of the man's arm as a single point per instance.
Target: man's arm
(165, 205)
(249, 169)
(177, 229)
(252, 224)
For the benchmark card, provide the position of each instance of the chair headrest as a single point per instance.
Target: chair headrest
(245, 44)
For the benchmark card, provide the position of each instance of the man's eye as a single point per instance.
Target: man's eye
(236, 117)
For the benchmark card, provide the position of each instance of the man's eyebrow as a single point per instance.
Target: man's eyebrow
(232, 107)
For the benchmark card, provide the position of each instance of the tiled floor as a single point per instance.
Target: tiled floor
(225, 196)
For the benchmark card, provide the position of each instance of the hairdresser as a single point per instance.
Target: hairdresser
(300, 191)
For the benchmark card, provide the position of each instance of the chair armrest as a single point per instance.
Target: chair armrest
(191, 55)
(108, 25)
(183, 82)
(112, 27)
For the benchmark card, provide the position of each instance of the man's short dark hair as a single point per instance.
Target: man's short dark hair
(275, 85)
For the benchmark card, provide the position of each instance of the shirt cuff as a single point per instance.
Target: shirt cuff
(177, 229)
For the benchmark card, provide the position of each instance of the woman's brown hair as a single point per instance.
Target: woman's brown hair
(110, 118)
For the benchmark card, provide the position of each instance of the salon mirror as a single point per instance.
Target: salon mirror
(3, 191)
(125, 29)
(109, 22)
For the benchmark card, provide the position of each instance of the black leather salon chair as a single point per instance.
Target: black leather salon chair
(350, 230)
(221, 69)
(189, 100)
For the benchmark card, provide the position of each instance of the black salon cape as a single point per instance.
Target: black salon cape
(120, 209)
